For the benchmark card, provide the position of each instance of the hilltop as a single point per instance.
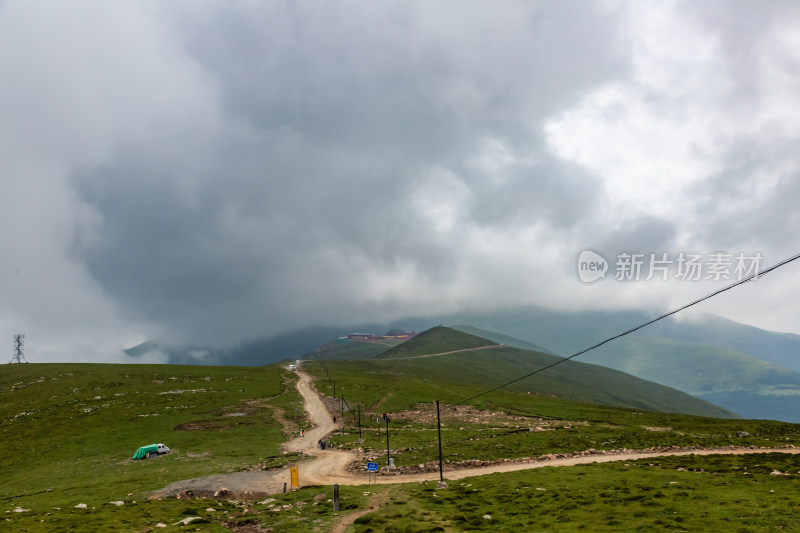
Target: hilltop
(436, 340)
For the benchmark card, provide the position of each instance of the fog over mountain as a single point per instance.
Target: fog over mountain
(211, 173)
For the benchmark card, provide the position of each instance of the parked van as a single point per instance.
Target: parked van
(292, 368)
(151, 450)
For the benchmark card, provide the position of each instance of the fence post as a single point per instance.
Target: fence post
(336, 498)
(439, 426)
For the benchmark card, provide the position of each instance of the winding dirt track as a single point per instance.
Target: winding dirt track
(326, 467)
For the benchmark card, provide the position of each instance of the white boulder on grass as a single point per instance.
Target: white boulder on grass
(188, 520)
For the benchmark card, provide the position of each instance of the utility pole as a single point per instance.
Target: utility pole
(388, 457)
(19, 349)
(358, 406)
(439, 425)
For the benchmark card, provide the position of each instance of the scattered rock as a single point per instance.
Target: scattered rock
(776, 473)
(742, 434)
(81, 506)
(487, 517)
(117, 503)
(188, 520)
(222, 493)
(20, 510)
(211, 510)
(161, 525)
(268, 500)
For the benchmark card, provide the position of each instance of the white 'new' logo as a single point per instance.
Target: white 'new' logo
(591, 266)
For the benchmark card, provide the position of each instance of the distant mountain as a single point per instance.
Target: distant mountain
(264, 351)
(740, 382)
(733, 365)
(344, 348)
(472, 360)
(782, 349)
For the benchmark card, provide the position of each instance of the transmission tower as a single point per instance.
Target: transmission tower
(19, 349)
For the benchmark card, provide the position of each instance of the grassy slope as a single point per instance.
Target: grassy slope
(501, 338)
(498, 365)
(51, 452)
(74, 427)
(718, 493)
(379, 388)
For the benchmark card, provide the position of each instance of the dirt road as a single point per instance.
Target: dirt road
(326, 467)
(318, 467)
(488, 347)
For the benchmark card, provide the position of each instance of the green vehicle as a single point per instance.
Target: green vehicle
(152, 450)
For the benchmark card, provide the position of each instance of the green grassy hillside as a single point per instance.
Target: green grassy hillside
(74, 427)
(499, 364)
(435, 340)
(503, 424)
(501, 338)
(717, 493)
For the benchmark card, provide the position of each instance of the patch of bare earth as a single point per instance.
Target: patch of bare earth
(231, 413)
(450, 414)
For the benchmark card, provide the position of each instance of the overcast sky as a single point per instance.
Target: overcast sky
(216, 171)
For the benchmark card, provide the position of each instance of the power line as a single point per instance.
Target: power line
(706, 297)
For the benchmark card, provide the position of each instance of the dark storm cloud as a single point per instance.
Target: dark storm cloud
(340, 122)
(211, 172)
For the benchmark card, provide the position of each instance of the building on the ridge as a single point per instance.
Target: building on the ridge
(362, 337)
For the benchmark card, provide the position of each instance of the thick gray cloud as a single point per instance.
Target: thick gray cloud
(213, 172)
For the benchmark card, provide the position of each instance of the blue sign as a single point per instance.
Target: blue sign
(372, 467)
